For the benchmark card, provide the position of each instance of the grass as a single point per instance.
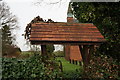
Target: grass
(69, 70)
(67, 66)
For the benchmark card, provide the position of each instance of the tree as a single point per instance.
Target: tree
(8, 23)
(50, 48)
(6, 17)
(106, 17)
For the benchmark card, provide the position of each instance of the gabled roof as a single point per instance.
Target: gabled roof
(43, 32)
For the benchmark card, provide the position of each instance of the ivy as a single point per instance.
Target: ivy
(30, 68)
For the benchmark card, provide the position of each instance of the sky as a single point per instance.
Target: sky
(26, 10)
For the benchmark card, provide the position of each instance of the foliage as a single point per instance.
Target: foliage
(72, 75)
(30, 68)
(50, 48)
(26, 54)
(34, 48)
(101, 67)
(70, 71)
(110, 49)
(59, 53)
(10, 51)
(7, 47)
(106, 17)
(7, 24)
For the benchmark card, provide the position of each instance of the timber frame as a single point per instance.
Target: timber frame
(84, 35)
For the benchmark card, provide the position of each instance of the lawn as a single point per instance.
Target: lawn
(67, 66)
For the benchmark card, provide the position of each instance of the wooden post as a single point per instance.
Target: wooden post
(80, 63)
(43, 50)
(84, 52)
(76, 62)
(72, 61)
(90, 52)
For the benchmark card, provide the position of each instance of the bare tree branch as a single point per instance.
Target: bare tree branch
(6, 17)
(48, 2)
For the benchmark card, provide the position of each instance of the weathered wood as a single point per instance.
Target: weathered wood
(43, 50)
(73, 62)
(64, 43)
(70, 61)
(80, 63)
(85, 53)
(76, 62)
(90, 52)
(82, 53)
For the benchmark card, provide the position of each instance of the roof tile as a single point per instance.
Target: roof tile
(65, 32)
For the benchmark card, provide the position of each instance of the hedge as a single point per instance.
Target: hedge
(29, 68)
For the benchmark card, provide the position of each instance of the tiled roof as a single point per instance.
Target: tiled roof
(75, 32)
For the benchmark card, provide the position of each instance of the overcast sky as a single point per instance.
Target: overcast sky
(26, 10)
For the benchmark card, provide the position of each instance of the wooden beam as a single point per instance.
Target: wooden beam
(64, 42)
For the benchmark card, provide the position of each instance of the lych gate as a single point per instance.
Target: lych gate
(82, 37)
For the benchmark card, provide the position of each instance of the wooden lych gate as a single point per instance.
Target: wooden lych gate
(84, 36)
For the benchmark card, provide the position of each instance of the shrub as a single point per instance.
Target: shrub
(72, 75)
(59, 53)
(26, 54)
(101, 67)
(32, 67)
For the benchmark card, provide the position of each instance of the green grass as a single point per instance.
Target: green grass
(67, 66)
(69, 70)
